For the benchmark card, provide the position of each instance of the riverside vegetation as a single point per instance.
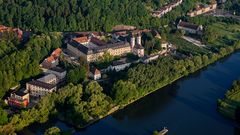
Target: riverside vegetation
(229, 106)
(88, 104)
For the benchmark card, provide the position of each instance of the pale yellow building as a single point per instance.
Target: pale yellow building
(91, 48)
(201, 9)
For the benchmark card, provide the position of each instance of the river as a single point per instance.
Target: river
(186, 107)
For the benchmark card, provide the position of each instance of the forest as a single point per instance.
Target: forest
(80, 15)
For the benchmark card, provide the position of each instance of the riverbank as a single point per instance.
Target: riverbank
(229, 105)
(48, 104)
(185, 107)
(218, 57)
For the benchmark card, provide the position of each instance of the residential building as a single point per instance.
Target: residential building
(91, 48)
(52, 61)
(17, 31)
(39, 89)
(94, 73)
(19, 99)
(59, 72)
(202, 8)
(190, 28)
(167, 8)
(49, 78)
(119, 65)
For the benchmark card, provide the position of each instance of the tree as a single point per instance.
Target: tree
(3, 117)
(123, 92)
(77, 75)
(52, 131)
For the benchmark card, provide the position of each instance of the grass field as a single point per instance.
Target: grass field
(185, 46)
(227, 33)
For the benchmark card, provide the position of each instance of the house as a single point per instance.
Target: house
(52, 61)
(95, 74)
(59, 72)
(17, 31)
(190, 28)
(119, 65)
(49, 78)
(202, 8)
(19, 99)
(39, 88)
(167, 8)
(91, 48)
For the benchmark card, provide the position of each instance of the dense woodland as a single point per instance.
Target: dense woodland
(80, 15)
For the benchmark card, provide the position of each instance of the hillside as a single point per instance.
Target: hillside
(82, 15)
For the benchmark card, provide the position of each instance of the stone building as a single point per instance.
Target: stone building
(91, 48)
(202, 8)
(136, 45)
(190, 28)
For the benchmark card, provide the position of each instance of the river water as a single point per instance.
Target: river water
(186, 107)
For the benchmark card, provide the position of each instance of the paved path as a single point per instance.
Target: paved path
(223, 13)
(194, 41)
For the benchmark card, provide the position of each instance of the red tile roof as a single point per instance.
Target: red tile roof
(18, 31)
(56, 53)
(81, 39)
(50, 59)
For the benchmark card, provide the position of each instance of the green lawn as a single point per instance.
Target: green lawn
(228, 33)
(185, 46)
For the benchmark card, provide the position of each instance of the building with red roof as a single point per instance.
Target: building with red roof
(19, 99)
(52, 61)
(17, 31)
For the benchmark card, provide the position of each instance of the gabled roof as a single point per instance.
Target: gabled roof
(41, 84)
(188, 25)
(50, 59)
(97, 41)
(57, 52)
(81, 39)
(57, 69)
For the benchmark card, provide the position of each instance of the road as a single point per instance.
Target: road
(223, 13)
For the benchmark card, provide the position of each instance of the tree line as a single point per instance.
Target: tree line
(85, 15)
